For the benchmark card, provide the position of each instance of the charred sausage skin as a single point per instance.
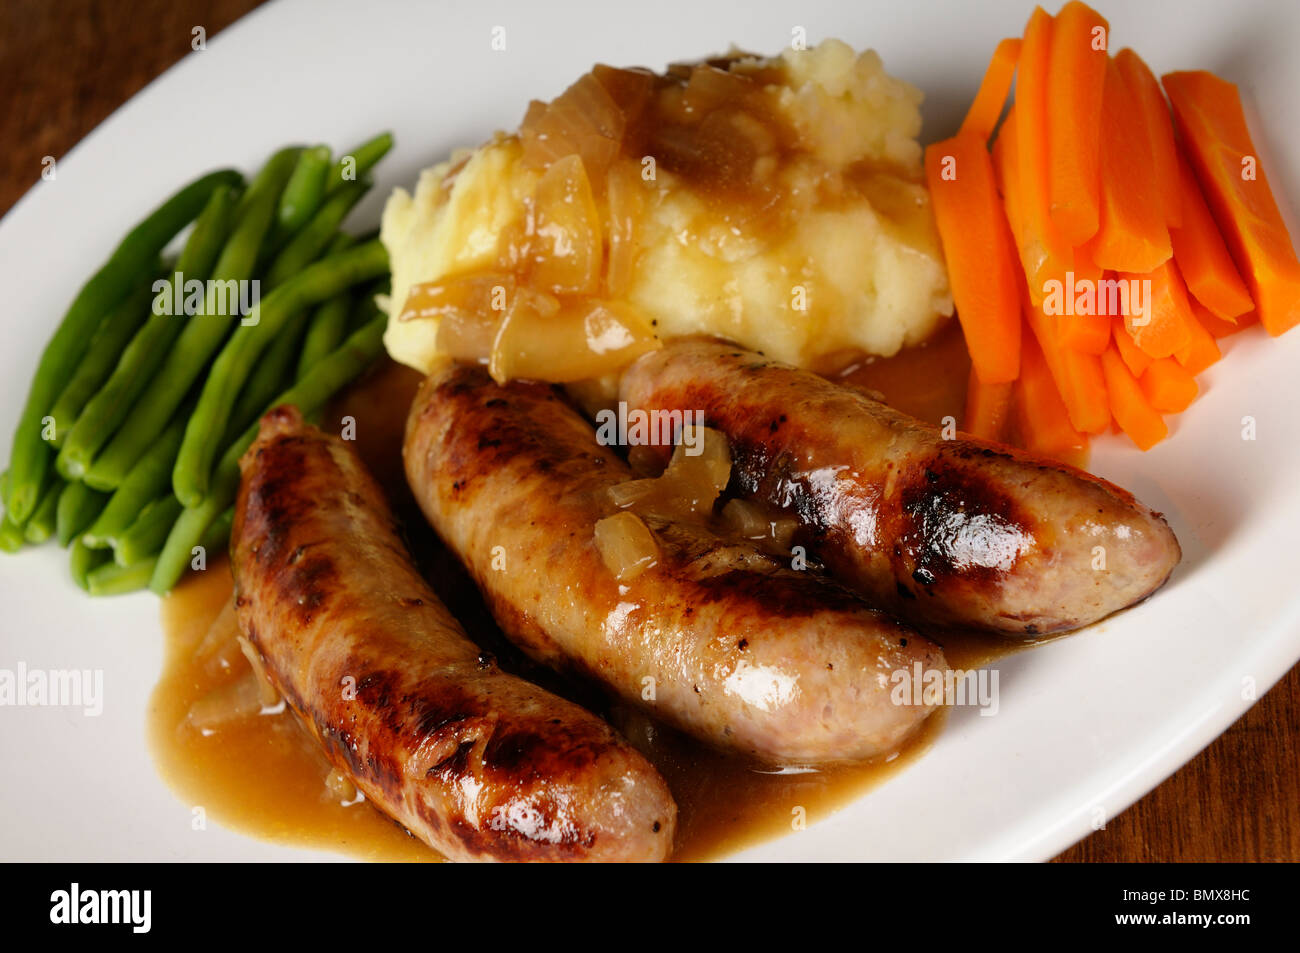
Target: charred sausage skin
(956, 532)
(479, 764)
(727, 644)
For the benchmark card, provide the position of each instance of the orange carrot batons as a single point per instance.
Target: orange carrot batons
(1041, 416)
(1169, 387)
(986, 109)
(1159, 312)
(987, 408)
(1045, 254)
(1201, 350)
(1209, 117)
(1132, 411)
(1132, 236)
(1143, 85)
(1076, 79)
(977, 245)
(1136, 359)
(1203, 257)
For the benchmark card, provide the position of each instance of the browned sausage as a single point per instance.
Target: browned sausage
(959, 532)
(477, 763)
(716, 638)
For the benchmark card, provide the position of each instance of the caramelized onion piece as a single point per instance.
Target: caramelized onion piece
(577, 340)
(584, 120)
(625, 198)
(564, 232)
(626, 545)
(222, 706)
(691, 485)
(266, 691)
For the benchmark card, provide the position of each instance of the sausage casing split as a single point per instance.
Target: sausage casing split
(479, 764)
(956, 532)
(727, 644)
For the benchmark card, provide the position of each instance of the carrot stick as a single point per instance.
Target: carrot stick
(1132, 235)
(987, 408)
(1202, 349)
(1089, 333)
(1217, 327)
(1143, 85)
(1208, 113)
(1074, 92)
(1132, 412)
(1203, 257)
(986, 109)
(1045, 254)
(1078, 376)
(978, 247)
(1159, 312)
(1007, 172)
(1136, 359)
(1041, 417)
(1169, 387)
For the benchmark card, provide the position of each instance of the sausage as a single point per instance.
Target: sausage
(477, 763)
(958, 532)
(716, 638)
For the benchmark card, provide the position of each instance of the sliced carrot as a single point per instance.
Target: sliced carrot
(1045, 254)
(1217, 327)
(1143, 85)
(1089, 333)
(1169, 387)
(982, 117)
(1041, 416)
(1159, 311)
(1078, 376)
(1129, 404)
(1132, 235)
(987, 408)
(1203, 256)
(1074, 92)
(1006, 171)
(1136, 359)
(1208, 113)
(1202, 349)
(979, 250)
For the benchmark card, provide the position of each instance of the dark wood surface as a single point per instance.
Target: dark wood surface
(64, 68)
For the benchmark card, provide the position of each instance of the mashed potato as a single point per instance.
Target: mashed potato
(779, 203)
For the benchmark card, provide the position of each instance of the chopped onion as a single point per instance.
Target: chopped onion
(626, 545)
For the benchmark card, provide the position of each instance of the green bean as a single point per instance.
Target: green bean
(30, 457)
(42, 523)
(355, 164)
(151, 475)
(114, 580)
(151, 343)
(200, 338)
(11, 535)
(316, 283)
(78, 507)
(82, 560)
(302, 195)
(325, 330)
(316, 235)
(322, 381)
(148, 533)
(111, 338)
(273, 373)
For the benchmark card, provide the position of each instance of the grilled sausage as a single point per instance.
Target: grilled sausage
(957, 532)
(477, 763)
(724, 642)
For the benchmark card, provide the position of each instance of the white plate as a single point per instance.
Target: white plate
(1086, 725)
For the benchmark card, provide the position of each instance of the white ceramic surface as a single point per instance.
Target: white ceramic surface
(1086, 725)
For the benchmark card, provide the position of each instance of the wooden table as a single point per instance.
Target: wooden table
(64, 67)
